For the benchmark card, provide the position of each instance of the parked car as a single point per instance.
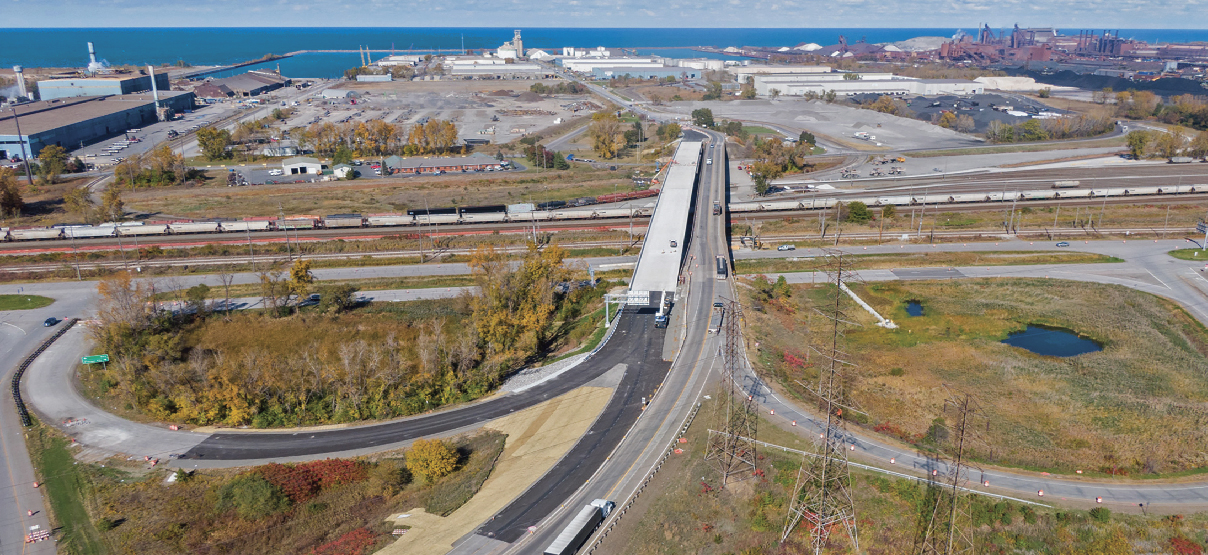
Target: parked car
(787, 248)
(1063, 244)
(276, 172)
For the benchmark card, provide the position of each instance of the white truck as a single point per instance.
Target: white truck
(579, 529)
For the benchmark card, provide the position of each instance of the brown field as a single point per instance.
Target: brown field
(683, 512)
(377, 195)
(1134, 408)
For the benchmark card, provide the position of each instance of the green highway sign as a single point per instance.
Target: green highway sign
(95, 359)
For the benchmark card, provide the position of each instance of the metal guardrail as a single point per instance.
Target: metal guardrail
(21, 410)
(619, 512)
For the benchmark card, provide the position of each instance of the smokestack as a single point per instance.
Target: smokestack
(154, 89)
(20, 75)
(91, 54)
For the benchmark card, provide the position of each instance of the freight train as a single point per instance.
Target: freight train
(543, 212)
(1058, 191)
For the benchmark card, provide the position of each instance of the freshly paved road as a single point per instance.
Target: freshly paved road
(21, 331)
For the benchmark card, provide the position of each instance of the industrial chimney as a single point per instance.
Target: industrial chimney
(93, 65)
(20, 75)
(154, 88)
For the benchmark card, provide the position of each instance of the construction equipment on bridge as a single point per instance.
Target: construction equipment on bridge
(822, 496)
(732, 439)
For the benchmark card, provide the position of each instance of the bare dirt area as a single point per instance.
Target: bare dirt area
(836, 122)
(376, 195)
(498, 110)
(536, 438)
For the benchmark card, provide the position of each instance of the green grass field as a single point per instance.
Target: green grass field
(23, 302)
(1190, 254)
(67, 484)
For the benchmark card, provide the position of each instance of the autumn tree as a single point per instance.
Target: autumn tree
(1199, 145)
(513, 309)
(431, 459)
(947, 120)
(1170, 143)
(52, 161)
(1137, 141)
(214, 142)
(300, 279)
(11, 202)
(112, 205)
(607, 133)
(668, 132)
(702, 117)
(965, 123)
(121, 310)
(78, 201)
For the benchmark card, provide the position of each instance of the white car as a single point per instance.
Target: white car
(787, 248)
(709, 162)
(275, 172)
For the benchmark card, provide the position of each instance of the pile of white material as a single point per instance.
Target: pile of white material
(1022, 84)
(881, 321)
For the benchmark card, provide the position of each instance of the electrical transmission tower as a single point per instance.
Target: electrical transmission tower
(945, 526)
(732, 441)
(822, 496)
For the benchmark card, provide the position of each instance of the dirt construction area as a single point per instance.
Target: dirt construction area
(838, 123)
(497, 110)
(537, 438)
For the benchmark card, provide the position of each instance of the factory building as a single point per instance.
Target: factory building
(867, 83)
(302, 165)
(743, 73)
(660, 72)
(501, 71)
(385, 78)
(252, 83)
(597, 52)
(72, 122)
(586, 65)
(338, 93)
(100, 86)
(513, 49)
(477, 162)
(399, 60)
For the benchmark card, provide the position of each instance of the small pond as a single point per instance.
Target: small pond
(1053, 342)
(914, 308)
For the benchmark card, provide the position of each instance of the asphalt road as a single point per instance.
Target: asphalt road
(625, 467)
(21, 331)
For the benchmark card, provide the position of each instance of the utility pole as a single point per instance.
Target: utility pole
(75, 253)
(117, 232)
(947, 528)
(249, 247)
(822, 496)
(288, 251)
(732, 446)
(29, 176)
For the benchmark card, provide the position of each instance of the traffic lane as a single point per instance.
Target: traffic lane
(645, 370)
(21, 334)
(53, 373)
(645, 441)
(248, 446)
(1121, 248)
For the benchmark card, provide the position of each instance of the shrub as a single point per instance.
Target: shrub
(1101, 514)
(251, 496)
(1183, 546)
(105, 524)
(897, 372)
(303, 481)
(431, 459)
(356, 542)
(388, 477)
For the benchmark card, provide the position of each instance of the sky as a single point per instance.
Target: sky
(1067, 14)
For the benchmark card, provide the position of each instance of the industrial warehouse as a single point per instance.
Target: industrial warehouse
(73, 122)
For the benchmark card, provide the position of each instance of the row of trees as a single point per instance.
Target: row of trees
(774, 158)
(195, 366)
(1174, 142)
(373, 138)
(378, 138)
(1187, 110)
(564, 87)
(157, 168)
(1070, 127)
